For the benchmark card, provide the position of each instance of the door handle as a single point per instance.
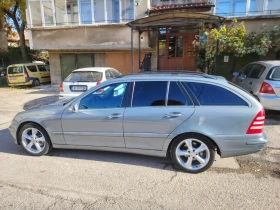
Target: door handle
(115, 115)
(173, 114)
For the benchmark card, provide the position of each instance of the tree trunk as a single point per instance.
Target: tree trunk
(22, 42)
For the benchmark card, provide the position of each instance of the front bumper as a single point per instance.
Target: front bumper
(231, 146)
(13, 130)
(270, 101)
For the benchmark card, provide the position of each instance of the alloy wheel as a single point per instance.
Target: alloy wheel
(192, 154)
(33, 140)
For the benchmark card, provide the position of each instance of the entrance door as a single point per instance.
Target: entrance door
(176, 51)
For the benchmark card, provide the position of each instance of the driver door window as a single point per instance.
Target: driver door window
(110, 96)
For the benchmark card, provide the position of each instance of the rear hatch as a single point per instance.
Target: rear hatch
(81, 81)
(273, 78)
(16, 74)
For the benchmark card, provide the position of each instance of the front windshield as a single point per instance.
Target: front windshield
(84, 76)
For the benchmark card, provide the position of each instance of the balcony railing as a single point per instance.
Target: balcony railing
(250, 13)
(180, 2)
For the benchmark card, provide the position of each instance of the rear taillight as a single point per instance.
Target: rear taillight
(26, 74)
(61, 87)
(257, 124)
(98, 83)
(266, 88)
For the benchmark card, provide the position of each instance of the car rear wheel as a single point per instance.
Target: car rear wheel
(193, 153)
(36, 82)
(34, 139)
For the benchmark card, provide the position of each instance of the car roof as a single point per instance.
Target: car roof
(172, 74)
(27, 64)
(271, 62)
(99, 69)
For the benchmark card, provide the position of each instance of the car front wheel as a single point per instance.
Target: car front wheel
(193, 153)
(34, 139)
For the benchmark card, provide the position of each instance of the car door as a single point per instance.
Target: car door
(242, 78)
(44, 74)
(98, 121)
(157, 108)
(252, 83)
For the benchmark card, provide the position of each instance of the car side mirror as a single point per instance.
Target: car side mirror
(235, 74)
(74, 107)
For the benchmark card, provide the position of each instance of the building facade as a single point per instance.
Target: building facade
(83, 33)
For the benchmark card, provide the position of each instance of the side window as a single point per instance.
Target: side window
(246, 70)
(175, 96)
(208, 94)
(42, 68)
(256, 71)
(115, 73)
(149, 93)
(110, 96)
(32, 68)
(108, 75)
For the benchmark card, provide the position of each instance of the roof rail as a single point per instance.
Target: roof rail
(172, 73)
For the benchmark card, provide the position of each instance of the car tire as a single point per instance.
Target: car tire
(34, 139)
(35, 83)
(193, 153)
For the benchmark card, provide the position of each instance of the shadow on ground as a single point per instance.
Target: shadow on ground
(7, 145)
(273, 115)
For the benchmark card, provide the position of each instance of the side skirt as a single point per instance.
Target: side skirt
(156, 153)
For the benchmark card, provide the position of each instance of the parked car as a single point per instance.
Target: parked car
(81, 80)
(262, 80)
(186, 115)
(28, 74)
(3, 79)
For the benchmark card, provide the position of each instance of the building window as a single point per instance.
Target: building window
(48, 12)
(72, 13)
(86, 12)
(60, 12)
(273, 5)
(99, 12)
(36, 18)
(113, 11)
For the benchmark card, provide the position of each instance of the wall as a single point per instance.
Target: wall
(122, 61)
(55, 68)
(102, 38)
(254, 24)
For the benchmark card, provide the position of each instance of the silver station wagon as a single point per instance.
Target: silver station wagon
(187, 116)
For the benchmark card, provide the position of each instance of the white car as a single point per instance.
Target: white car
(81, 80)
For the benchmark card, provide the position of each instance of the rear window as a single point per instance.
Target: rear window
(274, 74)
(15, 70)
(115, 73)
(208, 94)
(84, 76)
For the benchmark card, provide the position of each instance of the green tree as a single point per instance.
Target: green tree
(14, 10)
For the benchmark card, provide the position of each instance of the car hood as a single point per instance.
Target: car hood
(50, 111)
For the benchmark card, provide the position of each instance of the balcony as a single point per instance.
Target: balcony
(53, 13)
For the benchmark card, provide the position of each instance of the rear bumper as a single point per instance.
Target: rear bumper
(68, 95)
(231, 146)
(270, 101)
(28, 81)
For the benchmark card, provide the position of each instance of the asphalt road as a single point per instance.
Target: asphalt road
(75, 179)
